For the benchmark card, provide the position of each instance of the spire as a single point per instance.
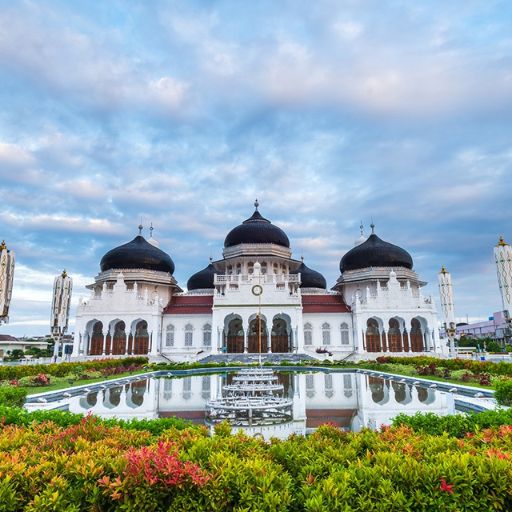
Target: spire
(443, 270)
(141, 227)
(302, 258)
(151, 230)
(3, 246)
(502, 242)
(372, 225)
(256, 204)
(361, 228)
(64, 273)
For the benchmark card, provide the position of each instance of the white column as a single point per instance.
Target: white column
(446, 295)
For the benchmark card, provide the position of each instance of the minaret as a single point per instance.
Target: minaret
(6, 279)
(62, 287)
(446, 295)
(503, 258)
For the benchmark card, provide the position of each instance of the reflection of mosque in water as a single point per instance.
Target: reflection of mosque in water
(348, 400)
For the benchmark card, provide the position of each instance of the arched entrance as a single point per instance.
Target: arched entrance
(280, 340)
(394, 336)
(235, 336)
(96, 347)
(119, 338)
(254, 343)
(141, 338)
(372, 336)
(416, 336)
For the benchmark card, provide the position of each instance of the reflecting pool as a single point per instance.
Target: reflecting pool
(305, 401)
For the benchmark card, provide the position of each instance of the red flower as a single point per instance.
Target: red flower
(446, 487)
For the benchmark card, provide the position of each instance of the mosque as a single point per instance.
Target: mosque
(256, 299)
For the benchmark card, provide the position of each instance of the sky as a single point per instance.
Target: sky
(181, 113)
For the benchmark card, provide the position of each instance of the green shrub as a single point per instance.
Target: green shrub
(503, 393)
(12, 396)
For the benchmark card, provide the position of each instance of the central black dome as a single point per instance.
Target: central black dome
(138, 253)
(375, 252)
(256, 230)
(310, 278)
(202, 279)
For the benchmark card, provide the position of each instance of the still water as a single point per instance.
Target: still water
(305, 401)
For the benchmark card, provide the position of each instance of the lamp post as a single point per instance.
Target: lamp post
(257, 290)
(446, 295)
(6, 279)
(62, 287)
(503, 259)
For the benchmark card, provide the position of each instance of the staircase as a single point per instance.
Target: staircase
(254, 358)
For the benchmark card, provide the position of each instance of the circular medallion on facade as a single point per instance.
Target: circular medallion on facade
(257, 289)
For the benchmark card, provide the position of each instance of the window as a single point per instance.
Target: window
(207, 335)
(308, 334)
(189, 335)
(250, 267)
(310, 386)
(167, 388)
(169, 336)
(187, 388)
(264, 268)
(326, 334)
(205, 387)
(329, 392)
(344, 333)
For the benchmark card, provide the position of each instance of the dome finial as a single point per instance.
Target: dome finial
(141, 227)
(64, 273)
(3, 246)
(361, 227)
(502, 242)
(443, 270)
(372, 225)
(151, 230)
(256, 204)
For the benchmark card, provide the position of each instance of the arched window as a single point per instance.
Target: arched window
(189, 335)
(238, 268)
(264, 267)
(230, 269)
(207, 335)
(326, 334)
(308, 334)
(310, 386)
(276, 268)
(187, 388)
(329, 392)
(250, 267)
(344, 334)
(169, 336)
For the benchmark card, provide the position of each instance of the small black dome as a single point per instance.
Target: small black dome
(202, 279)
(310, 278)
(374, 252)
(138, 253)
(256, 230)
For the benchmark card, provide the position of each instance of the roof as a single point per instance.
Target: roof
(7, 337)
(189, 305)
(324, 304)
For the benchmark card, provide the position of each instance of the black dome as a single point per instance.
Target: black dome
(374, 252)
(202, 279)
(256, 230)
(310, 278)
(138, 253)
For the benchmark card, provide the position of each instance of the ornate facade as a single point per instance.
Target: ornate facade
(257, 298)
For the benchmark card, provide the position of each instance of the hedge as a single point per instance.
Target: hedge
(457, 425)
(8, 372)
(21, 417)
(91, 466)
(12, 396)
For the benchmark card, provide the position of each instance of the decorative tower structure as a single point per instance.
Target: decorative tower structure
(503, 258)
(6, 280)
(62, 287)
(446, 295)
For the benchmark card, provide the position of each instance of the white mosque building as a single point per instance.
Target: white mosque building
(257, 298)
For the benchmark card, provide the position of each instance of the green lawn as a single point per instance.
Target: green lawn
(33, 390)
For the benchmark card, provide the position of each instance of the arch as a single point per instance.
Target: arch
(416, 335)
(118, 337)
(373, 335)
(135, 395)
(425, 396)
(112, 397)
(96, 346)
(326, 334)
(379, 390)
(344, 333)
(281, 334)
(169, 335)
(207, 335)
(308, 334)
(189, 335)
(394, 336)
(233, 328)
(141, 338)
(255, 322)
